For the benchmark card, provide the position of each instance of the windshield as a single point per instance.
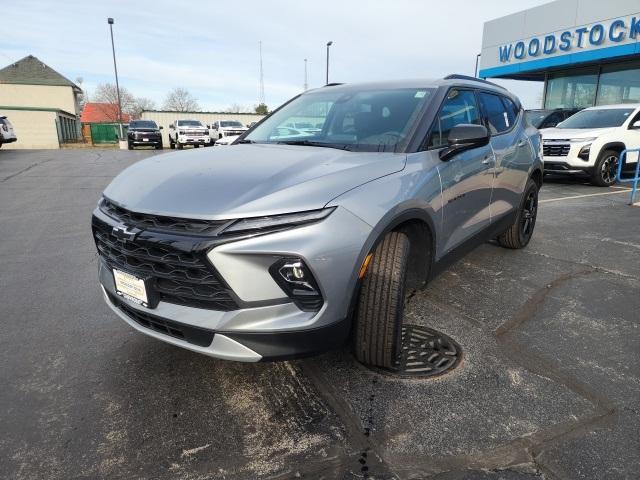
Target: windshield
(536, 117)
(230, 123)
(597, 118)
(367, 120)
(142, 124)
(189, 123)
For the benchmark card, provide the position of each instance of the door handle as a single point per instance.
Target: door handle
(487, 160)
(522, 143)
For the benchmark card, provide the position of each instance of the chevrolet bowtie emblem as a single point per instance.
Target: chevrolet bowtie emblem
(122, 232)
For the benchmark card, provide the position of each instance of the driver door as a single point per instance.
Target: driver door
(467, 178)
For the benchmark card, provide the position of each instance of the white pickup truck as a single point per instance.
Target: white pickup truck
(188, 132)
(226, 128)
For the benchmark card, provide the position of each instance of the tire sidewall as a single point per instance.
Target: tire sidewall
(597, 173)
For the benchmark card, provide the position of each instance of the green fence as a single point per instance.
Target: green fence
(106, 132)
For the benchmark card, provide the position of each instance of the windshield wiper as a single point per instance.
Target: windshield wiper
(309, 143)
(244, 140)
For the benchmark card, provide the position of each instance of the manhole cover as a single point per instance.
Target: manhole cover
(426, 352)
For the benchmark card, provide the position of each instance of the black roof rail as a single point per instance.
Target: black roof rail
(456, 76)
(332, 84)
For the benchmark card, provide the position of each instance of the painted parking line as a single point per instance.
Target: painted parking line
(583, 196)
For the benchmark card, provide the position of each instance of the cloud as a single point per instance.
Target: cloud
(211, 48)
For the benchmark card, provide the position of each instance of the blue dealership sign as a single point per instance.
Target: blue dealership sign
(595, 35)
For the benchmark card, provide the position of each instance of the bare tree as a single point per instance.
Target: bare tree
(180, 100)
(107, 93)
(141, 104)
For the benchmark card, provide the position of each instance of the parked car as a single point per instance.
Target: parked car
(226, 128)
(590, 142)
(145, 133)
(279, 247)
(548, 118)
(188, 132)
(226, 140)
(303, 127)
(7, 133)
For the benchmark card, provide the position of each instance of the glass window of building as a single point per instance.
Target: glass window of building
(575, 89)
(619, 84)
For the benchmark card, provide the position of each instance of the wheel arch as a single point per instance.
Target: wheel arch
(419, 226)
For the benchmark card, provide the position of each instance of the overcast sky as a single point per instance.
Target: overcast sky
(211, 48)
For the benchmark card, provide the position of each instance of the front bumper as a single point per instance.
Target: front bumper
(188, 139)
(266, 325)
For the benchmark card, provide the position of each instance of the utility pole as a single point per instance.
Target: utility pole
(306, 83)
(328, 45)
(115, 68)
(261, 100)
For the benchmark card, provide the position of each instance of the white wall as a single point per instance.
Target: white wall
(34, 129)
(38, 96)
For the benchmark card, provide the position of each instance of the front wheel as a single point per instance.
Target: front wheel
(380, 312)
(520, 232)
(180, 146)
(606, 169)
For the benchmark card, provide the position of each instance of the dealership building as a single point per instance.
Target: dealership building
(587, 52)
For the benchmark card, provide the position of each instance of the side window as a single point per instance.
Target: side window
(495, 113)
(459, 107)
(512, 110)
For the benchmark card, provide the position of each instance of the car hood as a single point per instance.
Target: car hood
(246, 180)
(566, 133)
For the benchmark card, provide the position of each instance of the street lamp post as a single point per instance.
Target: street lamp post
(476, 70)
(328, 45)
(115, 68)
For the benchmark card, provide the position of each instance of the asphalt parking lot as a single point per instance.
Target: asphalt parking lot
(548, 388)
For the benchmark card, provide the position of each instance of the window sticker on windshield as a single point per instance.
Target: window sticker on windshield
(420, 94)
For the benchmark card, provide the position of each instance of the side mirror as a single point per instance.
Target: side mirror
(160, 127)
(171, 125)
(464, 137)
(635, 125)
(208, 126)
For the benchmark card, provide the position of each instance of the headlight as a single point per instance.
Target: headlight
(278, 221)
(582, 140)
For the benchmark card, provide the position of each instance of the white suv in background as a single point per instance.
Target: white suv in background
(590, 142)
(7, 133)
(226, 128)
(188, 132)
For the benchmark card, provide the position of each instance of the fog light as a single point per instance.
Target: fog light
(584, 152)
(295, 278)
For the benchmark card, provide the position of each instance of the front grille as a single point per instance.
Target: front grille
(184, 278)
(159, 223)
(233, 132)
(188, 333)
(555, 149)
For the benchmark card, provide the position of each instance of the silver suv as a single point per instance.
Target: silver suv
(279, 247)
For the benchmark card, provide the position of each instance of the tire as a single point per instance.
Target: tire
(159, 147)
(129, 146)
(171, 144)
(180, 146)
(519, 234)
(381, 303)
(605, 170)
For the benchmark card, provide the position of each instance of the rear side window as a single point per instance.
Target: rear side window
(512, 110)
(498, 119)
(459, 107)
